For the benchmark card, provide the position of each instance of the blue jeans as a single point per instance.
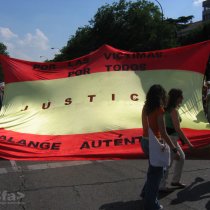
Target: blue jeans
(151, 186)
(145, 146)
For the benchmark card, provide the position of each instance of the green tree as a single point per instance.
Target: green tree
(3, 50)
(79, 44)
(132, 26)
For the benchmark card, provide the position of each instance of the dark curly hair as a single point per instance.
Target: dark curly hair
(156, 97)
(173, 96)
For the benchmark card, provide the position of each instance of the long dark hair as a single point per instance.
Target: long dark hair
(155, 98)
(173, 96)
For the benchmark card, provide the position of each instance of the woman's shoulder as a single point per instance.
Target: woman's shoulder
(174, 111)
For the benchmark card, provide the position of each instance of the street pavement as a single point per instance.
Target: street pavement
(97, 185)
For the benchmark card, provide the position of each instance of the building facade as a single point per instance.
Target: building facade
(206, 10)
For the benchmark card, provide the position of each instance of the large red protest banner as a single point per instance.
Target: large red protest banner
(90, 107)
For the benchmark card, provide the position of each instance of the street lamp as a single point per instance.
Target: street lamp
(42, 56)
(160, 8)
(55, 48)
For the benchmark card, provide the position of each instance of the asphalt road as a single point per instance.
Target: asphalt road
(96, 185)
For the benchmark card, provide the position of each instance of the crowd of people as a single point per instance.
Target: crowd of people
(160, 115)
(206, 99)
(206, 91)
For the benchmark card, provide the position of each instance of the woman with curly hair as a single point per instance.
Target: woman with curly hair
(153, 117)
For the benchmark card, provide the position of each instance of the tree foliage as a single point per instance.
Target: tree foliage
(3, 50)
(132, 26)
(199, 34)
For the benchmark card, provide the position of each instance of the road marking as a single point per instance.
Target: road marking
(3, 171)
(56, 165)
(43, 166)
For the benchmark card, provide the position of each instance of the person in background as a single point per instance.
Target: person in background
(172, 120)
(1, 93)
(153, 117)
(208, 101)
(204, 96)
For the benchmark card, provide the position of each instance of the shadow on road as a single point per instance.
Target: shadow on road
(134, 205)
(194, 192)
(165, 194)
(208, 205)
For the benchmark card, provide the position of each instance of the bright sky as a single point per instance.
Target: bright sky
(30, 28)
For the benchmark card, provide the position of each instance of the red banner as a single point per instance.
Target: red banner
(90, 107)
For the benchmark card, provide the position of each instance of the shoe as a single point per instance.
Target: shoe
(166, 190)
(142, 195)
(161, 207)
(178, 184)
